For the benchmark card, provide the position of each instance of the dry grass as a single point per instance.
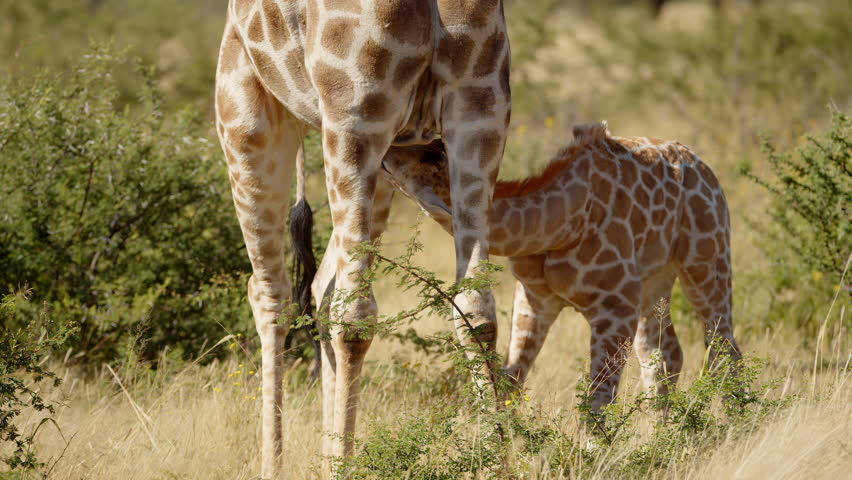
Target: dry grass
(200, 424)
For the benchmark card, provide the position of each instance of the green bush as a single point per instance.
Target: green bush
(810, 237)
(118, 217)
(21, 371)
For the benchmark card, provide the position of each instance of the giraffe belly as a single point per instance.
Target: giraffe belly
(564, 275)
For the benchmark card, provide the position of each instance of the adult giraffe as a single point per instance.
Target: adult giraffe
(370, 75)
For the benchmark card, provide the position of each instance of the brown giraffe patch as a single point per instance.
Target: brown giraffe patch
(374, 60)
(330, 142)
(532, 220)
(629, 174)
(704, 218)
(478, 102)
(606, 279)
(489, 54)
(373, 107)
(355, 151)
(622, 203)
(556, 213)
(335, 88)
(406, 69)
(269, 72)
(246, 140)
(230, 52)
(705, 248)
(473, 198)
(497, 235)
(607, 256)
(486, 143)
(404, 21)
(455, 51)
(505, 87)
(475, 13)
(226, 106)
(345, 188)
(618, 235)
(255, 29)
(279, 33)
(338, 34)
(588, 249)
(642, 198)
(601, 188)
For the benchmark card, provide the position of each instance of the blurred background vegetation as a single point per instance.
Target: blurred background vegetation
(115, 206)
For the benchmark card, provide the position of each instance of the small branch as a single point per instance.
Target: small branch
(449, 299)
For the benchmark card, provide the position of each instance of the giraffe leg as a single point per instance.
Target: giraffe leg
(322, 289)
(707, 286)
(656, 344)
(613, 324)
(351, 165)
(474, 151)
(704, 260)
(535, 309)
(260, 140)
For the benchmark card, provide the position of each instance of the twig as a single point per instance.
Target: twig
(449, 299)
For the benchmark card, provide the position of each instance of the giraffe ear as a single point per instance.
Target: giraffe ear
(432, 203)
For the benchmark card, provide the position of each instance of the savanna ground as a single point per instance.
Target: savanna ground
(115, 212)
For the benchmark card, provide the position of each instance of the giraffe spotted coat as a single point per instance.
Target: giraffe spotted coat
(373, 76)
(606, 228)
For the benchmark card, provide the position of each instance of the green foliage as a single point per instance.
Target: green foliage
(117, 216)
(433, 445)
(811, 192)
(810, 237)
(21, 371)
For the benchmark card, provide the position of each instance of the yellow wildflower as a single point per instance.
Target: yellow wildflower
(236, 384)
(216, 389)
(241, 365)
(526, 398)
(254, 398)
(508, 402)
(549, 122)
(817, 276)
(251, 372)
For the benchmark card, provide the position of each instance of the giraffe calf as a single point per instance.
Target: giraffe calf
(606, 228)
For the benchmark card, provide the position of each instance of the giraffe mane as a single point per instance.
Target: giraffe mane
(583, 136)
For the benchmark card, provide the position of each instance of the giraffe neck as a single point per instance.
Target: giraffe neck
(538, 221)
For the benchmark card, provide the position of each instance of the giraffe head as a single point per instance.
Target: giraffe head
(422, 173)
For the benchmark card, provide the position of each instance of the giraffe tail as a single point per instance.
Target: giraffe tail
(301, 227)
